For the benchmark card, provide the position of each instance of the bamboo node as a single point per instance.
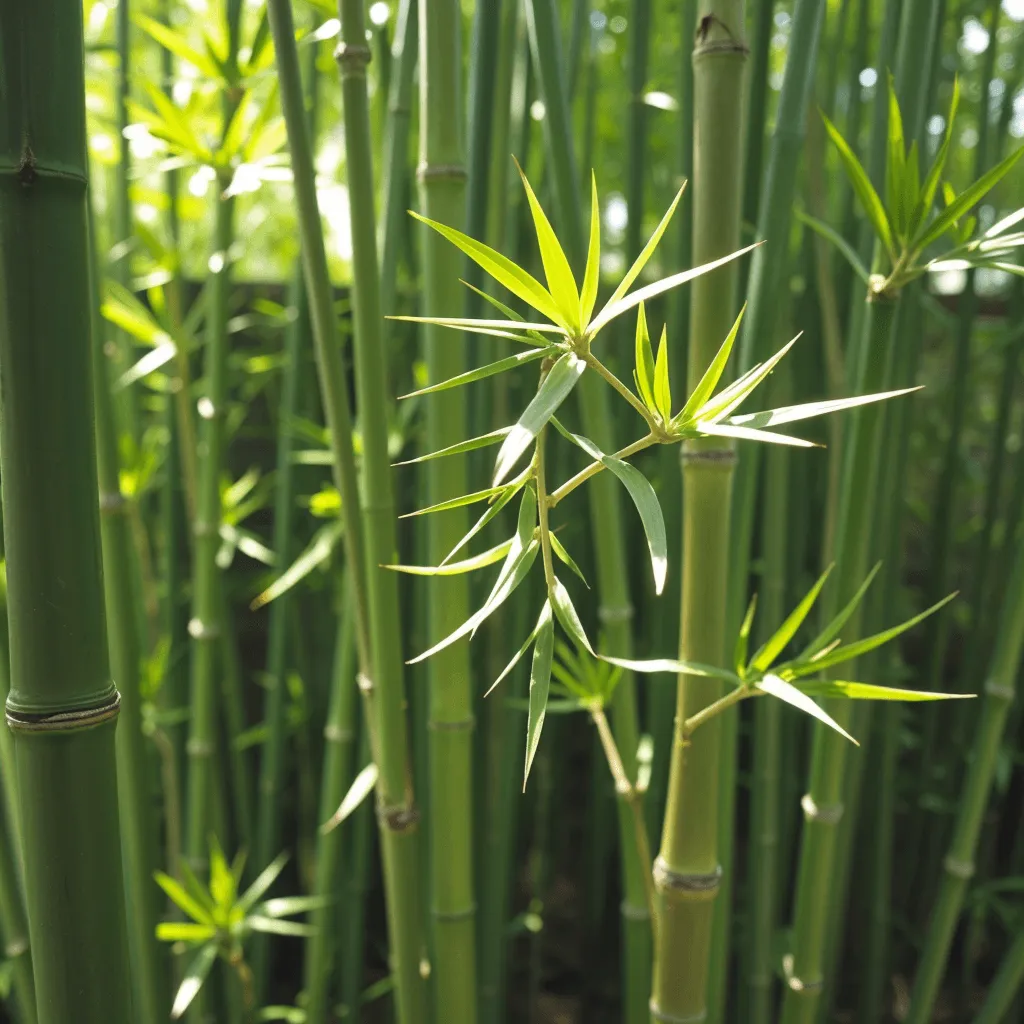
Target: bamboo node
(962, 869)
(724, 457)
(201, 528)
(632, 912)
(999, 691)
(335, 734)
(830, 814)
(445, 172)
(365, 683)
(663, 1017)
(66, 721)
(463, 724)
(454, 915)
(621, 613)
(796, 984)
(199, 630)
(352, 57)
(687, 886)
(196, 747)
(398, 818)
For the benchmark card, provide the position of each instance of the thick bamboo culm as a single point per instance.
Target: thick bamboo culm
(62, 704)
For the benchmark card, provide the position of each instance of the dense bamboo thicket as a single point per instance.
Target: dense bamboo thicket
(513, 511)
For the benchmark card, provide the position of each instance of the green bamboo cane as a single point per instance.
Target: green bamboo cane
(757, 106)
(377, 615)
(14, 927)
(133, 775)
(62, 704)
(339, 744)
(615, 609)
(1004, 986)
(442, 185)
(958, 867)
(8, 760)
(636, 125)
(687, 871)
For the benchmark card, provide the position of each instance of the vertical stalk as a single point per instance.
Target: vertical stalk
(687, 871)
(442, 186)
(13, 925)
(615, 608)
(636, 126)
(138, 838)
(62, 704)
(1005, 985)
(757, 105)
(999, 690)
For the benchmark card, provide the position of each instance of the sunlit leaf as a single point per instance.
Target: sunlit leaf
(459, 448)
(831, 631)
(480, 561)
(263, 881)
(673, 666)
(482, 372)
(743, 637)
(808, 410)
(317, 552)
(775, 644)
(776, 687)
(846, 250)
(196, 973)
(507, 495)
(644, 360)
(271, 926)
(662, 386)
(926, 198)
(592, 275)
(867, 691)
(540, 685)
(184, 931)
(361, 788)
(566, 613)
(563, 556)
(184, 900)
(177, 45)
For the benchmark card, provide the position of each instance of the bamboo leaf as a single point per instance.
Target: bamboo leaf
(361, 788)
(723, 404)
(149, 363)
(747, 434)
(124, 310)
(546, 610)
(1004, 225)
(672, 666)
(491, 512)
(662, 385)
(567, 559)
(317, 552)
(859, 647)
(592, 275)
(743, 637)
(646, 501)
(518, 574)
(526, 524)
(775, 644)
(480, 561)
(862, 186)
(846, 250)
(644, 357)
(776, 687)
(616, 308)
(284, 906)
(896, 169)
(566, 613)
(184, 931)
(540, 686)
(176, 44)
(831, 631)
(926, 198)
(867, 691)
(504, 271)
(553, 391)
(263, 881)
(561, 283)
(271, 926)
(459, 502)
(948, 218)
(808, 410)
(182, 899)
(197, 972)
(713, 374)
(482, 372)
(222, 882)
(469, 445)
(490, 328)
(641, 261)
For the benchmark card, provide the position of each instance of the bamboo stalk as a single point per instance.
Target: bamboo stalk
(450, 723)
(62, 704)
(615, 608)
(687, 871)
(1005, 985)
(138, 838)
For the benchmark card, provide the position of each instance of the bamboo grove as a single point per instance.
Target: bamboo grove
(512, 511)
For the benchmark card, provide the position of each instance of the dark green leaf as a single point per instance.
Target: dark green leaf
(540, 685)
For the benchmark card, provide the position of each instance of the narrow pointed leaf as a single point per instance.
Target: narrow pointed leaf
(319, 551)
(285, 906)
(263, 881)
(490, 328)
(517, 657)
(540, 686)
(469, 445)
(743, 637)
(721, 405)
(644, 357)
(627, 302)
(846, 250)
(566, 613)
(561, 283)
(149, 363)
(271, 926)
(775, 644)
(464, 499)
(174, 43)
(787, 692)
(862, 186)
(896, 170)
(808, 410)
(1004, 225)
(504, 271)
(563, 556)
(592, 275)
(480, 561)
(491, 512)
(646, 501)
(854, 650)
(747, 434)
(482, 372)
(868, 691)
(662, 385)
(926, 198)
(184, 931)
(673, 666)
(553, 391)
(183, 899)
(645, 254)
(361, 788)
(831, 631)
(197, 972)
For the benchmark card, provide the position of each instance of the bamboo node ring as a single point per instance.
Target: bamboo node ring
(709, 456)
(353, 56)
(463, 724)
(196, 747)
(453, 915)
(692, 885)
(335, 734)
(999, 691)
(622, 613)
(796, 984)
(634, 913)
(201, 528)
(399, 818)
(199, 630)
(830, 814)
(365, 683)
(673, 1018)
(446, 172)
(66, 721)
(962, 869)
